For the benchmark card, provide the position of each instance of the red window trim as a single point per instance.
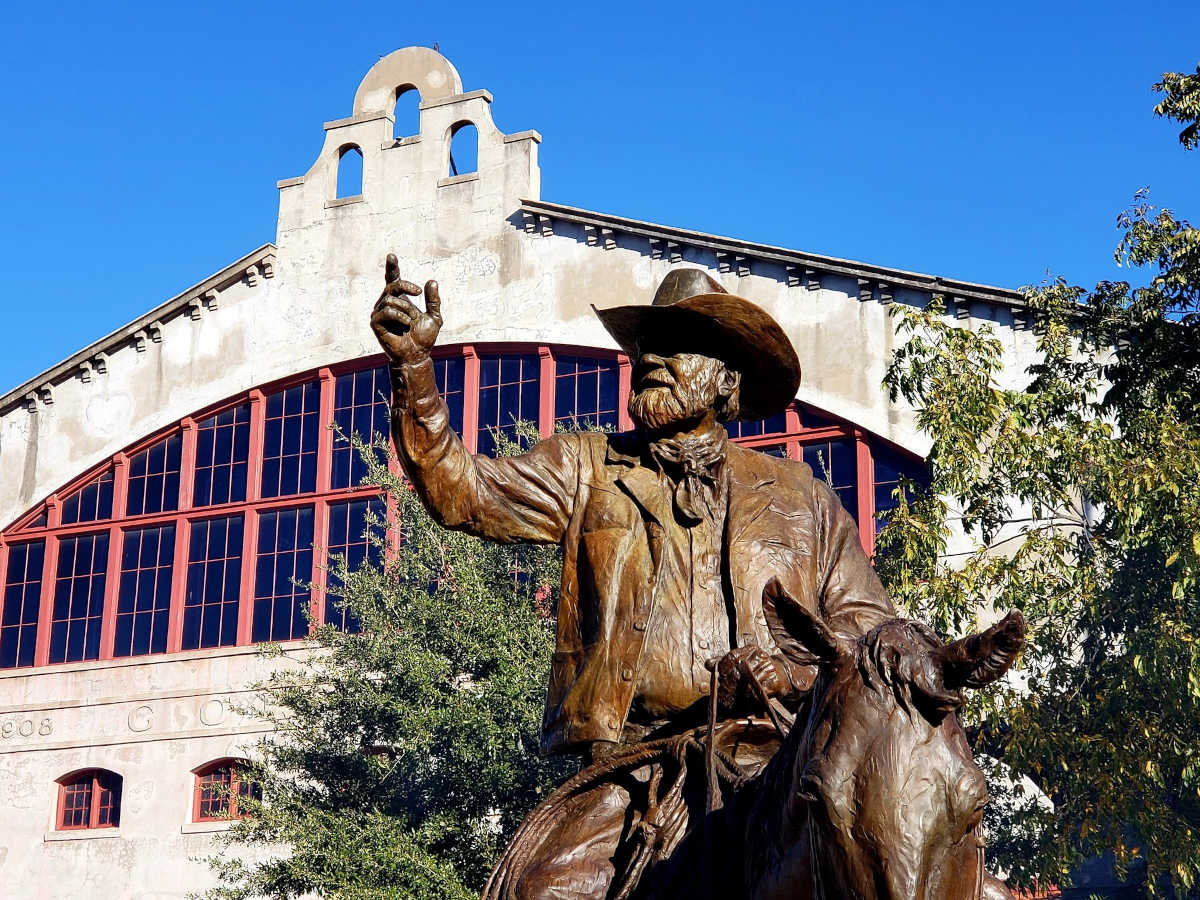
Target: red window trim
(93, 801)
(793, 437)
(235, 781)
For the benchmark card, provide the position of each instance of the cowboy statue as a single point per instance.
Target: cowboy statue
(704, 586)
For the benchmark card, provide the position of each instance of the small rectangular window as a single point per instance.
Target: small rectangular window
(22, 601)
(144, 600)
(508, 394)
(450, 374)
(360, 406)
(348, 538)
(78, 598)
(585, 392)
(154, 478)
(284, 558)
(222, 452)
(289, 464)
(92, 502)
(836, 463)
(214, 579)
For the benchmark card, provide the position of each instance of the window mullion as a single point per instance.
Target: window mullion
(41, 655)
(320, 560)
(326, 383)
(93, 817)
(624, 385)
(187, 464)
(865, 474)
(179, 562)
(258, 413)
(470, 399)
(545, 392)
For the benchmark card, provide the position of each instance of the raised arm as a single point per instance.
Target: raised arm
(520, 498)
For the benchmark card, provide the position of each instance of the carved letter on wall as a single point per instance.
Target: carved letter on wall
(140, 718)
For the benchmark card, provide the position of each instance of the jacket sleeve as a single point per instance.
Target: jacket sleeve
(852, 598)
(519, 498)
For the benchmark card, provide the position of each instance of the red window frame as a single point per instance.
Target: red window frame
(102, 789)
(43, 521)
(231, 788)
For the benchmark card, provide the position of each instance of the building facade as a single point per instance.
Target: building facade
(166, 485)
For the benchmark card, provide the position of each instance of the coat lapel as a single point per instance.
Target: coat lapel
(748, 500)
(747, 497)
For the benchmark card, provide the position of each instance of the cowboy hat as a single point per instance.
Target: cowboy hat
(692, 313)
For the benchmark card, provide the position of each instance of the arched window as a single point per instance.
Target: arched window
(89, 799)
(218, 788)
(349, 172)
(407, 112)
(210, 532)
(464, 149)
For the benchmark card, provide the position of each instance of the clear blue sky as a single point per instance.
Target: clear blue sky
(992, 142)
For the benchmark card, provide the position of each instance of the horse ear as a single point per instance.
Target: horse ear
(798, 631)
(980, 659)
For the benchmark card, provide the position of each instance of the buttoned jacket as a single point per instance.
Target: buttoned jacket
(593, 494)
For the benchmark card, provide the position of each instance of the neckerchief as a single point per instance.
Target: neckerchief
(694, 464)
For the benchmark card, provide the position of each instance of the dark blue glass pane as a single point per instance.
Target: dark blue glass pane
(489, 371)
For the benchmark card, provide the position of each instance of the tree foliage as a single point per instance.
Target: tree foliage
(1073, 493)
(1181, 104)
(403, 756)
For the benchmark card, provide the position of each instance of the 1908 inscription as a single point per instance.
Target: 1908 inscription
(21, 727)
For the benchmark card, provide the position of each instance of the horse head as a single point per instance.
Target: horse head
(882, 781)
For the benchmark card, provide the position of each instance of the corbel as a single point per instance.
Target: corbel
(209, 298)
(139, 340)
(723, 264)
(85, 371)
(100, 363)
(545, 225)
(30, 401)
(250, 276)
(865, 290)
(742, 264)
(46, 395)
(529, 221)
(154, 330)
(593, 236)
(886, 297)
(961, 308)
(794, 275)
(812, 279)
(267, 267)
(656, 248)
(674, 252)
(194, 307)
(608, 238)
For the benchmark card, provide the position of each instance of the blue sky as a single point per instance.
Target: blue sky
(991, 142)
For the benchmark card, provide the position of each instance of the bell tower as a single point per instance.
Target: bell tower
(407, 197)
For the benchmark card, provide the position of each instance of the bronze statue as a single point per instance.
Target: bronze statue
(757, 721)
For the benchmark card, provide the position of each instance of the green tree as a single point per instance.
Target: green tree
(1182, 104)
(1080, 495)
(404, 756)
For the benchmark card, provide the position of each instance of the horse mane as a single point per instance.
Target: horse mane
(897, 657)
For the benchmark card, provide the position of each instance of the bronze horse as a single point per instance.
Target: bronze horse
(876, 794)
(871, 793)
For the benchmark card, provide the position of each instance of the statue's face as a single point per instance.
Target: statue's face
(672, 390)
